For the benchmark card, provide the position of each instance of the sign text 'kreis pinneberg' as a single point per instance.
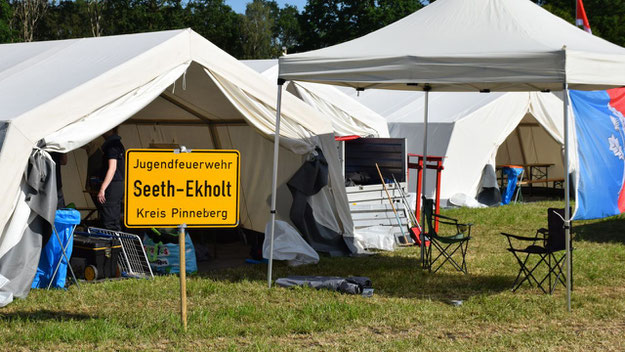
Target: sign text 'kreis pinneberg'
(167, 189)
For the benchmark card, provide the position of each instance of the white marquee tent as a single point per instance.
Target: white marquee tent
(473, 130)
(349, 117)
(163, 87)
(470, 45)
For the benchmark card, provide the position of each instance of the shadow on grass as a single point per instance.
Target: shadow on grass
(45, 314)
(392, 276)
(608, 230)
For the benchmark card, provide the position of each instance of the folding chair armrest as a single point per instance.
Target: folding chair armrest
(445, 217)
(464, 228)
(448, 223)
(520, 238)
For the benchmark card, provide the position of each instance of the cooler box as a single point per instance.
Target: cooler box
(95, 257)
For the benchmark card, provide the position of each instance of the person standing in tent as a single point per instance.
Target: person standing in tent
(112, 189)
(59, 160)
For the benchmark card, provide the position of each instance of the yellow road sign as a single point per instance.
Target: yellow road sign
(165, 188)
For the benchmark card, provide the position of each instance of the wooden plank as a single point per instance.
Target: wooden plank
(542, 180)
(379, 222)
(356, 208)
(396, 195)
(376, 215)
(378, 187)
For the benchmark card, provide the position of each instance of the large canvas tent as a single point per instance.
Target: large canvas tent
(164, 87)
(473, 130)
(348, 116)
(471, 45)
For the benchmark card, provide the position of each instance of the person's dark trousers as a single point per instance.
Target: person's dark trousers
(60, 203)
(110, 212)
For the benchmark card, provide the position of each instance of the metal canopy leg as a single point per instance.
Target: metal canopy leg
(567, 201)
(426, 89)
(274, 181)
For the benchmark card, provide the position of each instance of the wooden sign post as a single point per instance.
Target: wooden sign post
(180, 188)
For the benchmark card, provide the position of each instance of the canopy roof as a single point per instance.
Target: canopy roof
(467, 45)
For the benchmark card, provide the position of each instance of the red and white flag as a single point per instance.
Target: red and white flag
(580, 17)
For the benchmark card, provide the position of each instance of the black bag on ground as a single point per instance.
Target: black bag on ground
(353, 285)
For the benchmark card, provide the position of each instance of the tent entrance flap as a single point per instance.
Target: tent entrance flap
(531, 146)
(308, 181)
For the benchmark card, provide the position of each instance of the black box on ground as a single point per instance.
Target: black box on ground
(95, 257)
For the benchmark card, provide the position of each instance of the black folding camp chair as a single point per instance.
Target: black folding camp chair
(451, 249)
(546, 245)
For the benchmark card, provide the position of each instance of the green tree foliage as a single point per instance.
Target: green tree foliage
(68, 19)
(328, 22)
(259, 33)
(216, 21)
(288, 29)
(259, 25)
(606, 17)
(6, 13)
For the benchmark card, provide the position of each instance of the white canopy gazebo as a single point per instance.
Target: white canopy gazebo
(470, 45)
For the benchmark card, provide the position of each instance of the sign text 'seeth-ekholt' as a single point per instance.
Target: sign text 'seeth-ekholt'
(166, 189)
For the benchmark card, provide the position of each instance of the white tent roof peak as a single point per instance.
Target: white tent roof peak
(467, 45)
(348, 116)
(62, 65)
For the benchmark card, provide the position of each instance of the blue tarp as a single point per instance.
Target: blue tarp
(512, 174)
(64, 222)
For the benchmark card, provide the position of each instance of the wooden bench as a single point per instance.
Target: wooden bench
(546, 181)
(542, 180)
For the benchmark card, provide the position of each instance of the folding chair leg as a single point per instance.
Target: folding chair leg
(60, 260)
(529, 275)
(449, 257)
(560, 274)
(427, 259)
(550, 290)
(522, 270)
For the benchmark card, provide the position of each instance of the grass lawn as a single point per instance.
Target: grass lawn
(410, 310)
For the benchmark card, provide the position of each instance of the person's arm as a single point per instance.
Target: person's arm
(110, 172)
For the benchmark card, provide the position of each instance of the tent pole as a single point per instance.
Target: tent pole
(426, 89)
(274, 180)
(567, 201)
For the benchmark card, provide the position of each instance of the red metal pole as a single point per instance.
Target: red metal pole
(419, 185)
